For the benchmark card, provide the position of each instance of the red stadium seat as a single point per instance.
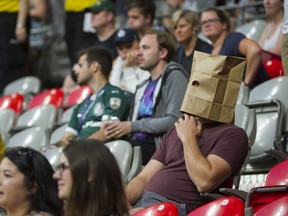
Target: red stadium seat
(274, 68)
(77, 96)
(276, 208)
(13, 101)
(226, 206)
(53, 96)
(161, 209)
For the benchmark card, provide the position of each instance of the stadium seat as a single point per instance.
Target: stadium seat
(66, 115)
(43, 115)
(53, 156)
(274, 68)
(7, 120)
(13, 101)
(128, 159)
(34, 137)
(57, 134)
(77, 96)
(24, 85)
(269, 99)
(226, 206)
(275, 187)
(53, 96)
(275, 208)
(161, 209)
(252, 29)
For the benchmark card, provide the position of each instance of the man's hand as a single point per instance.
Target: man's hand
(187, 128)
(21, 34)
(115, 130)
(131, 59)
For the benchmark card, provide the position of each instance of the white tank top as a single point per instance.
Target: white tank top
(271, 42)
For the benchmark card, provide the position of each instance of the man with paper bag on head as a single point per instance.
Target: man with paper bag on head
(204, 151)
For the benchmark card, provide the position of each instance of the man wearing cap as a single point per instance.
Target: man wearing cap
(203, 152)
(103, 21)
(125, 73)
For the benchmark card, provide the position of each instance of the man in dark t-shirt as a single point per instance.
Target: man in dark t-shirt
(203, 152)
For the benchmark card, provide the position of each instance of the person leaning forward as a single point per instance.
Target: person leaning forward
(107, 101)
(204, 151)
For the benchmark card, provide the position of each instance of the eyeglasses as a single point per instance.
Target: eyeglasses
(62, 167)
(210, 21)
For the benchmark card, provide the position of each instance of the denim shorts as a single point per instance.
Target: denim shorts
(151, 198)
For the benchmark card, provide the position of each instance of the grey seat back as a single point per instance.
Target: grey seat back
(7, 119)
(25, 85)
(269, 100)
(34, 137)
(122, 151)
(53, 156)
(44, 115)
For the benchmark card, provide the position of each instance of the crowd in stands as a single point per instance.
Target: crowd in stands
(139, 73)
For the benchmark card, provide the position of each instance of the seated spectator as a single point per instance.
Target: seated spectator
(125, 73)
(185, 32)
(103, 21)
(198, 155)
(271, 37)
(27, 186)
(89, 180)
(157, 99)
(93, 69)
(141, 15)
(215, 26)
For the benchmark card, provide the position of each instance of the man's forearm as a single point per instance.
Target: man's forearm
(134, 190)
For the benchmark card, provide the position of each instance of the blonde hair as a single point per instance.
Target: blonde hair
(190, 16)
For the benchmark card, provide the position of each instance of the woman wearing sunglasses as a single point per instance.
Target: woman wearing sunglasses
(26, 184)
(89, 180)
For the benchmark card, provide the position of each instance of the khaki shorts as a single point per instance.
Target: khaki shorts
(285, 54)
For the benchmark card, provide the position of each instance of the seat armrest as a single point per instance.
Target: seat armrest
(211, 196)
(234, 192)
(278, 154)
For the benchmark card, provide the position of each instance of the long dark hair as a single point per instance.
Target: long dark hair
(97, 184)
(38, 174)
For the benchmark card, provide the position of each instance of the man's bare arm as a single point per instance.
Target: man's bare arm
(135, 188)
(206, 173)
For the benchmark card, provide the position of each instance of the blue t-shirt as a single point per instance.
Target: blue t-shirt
(230, 47)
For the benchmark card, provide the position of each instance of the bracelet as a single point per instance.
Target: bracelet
(19, 26)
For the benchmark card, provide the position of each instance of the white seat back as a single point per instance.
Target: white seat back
(246, 119)
(58, 133)
(53, 155)
(252, 29)
(122, 151)
(25, 85)
(44, 115)
(34, 137)
(7, 119)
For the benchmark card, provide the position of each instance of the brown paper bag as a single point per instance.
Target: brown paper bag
(213, 86)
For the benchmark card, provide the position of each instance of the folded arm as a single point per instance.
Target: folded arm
(206, 173)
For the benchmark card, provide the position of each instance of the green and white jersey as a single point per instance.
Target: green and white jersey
(87, 116)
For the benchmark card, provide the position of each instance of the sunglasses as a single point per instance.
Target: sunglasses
(25, 151)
